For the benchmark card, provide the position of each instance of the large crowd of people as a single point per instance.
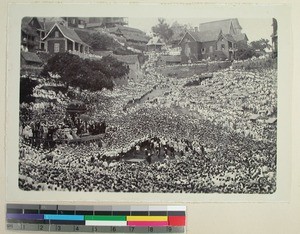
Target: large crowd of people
(195, 139)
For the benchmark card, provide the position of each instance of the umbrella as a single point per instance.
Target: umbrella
(85, 117)
(271, 120)
(253, 116)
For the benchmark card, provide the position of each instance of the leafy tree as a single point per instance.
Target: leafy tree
(26, 90)
(101, 41)
(178, 31)
(98, 40)
(244, 51)
(261, 45)
(162, 29)
(84, 73)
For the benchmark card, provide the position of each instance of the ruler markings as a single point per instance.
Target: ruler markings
(101, 219)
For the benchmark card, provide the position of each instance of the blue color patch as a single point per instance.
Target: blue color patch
(64, 217)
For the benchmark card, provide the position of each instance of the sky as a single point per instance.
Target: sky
(254, 28)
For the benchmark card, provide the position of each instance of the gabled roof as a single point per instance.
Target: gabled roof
(67, 33)
(125, 28)
(48, 22)
(129, 59)
(26, 20)
(223, 25)
(229, 37)
(155, 41)
(204, 36)
(27, 28)
(240, 37)
(30, 57)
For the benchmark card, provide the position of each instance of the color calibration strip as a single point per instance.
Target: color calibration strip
(100, 219)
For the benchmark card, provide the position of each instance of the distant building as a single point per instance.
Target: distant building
(168, 60)
(154, 44)
(217, 40)
(30, 58)
(33, 29)
(31, 32)
(61, 39)
(95, 22)
(75, 22)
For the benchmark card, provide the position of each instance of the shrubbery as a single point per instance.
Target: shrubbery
(86, 74)
(26, 90)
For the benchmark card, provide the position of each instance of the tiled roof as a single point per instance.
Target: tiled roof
(205, 36)
(125, 28)
(70, 33)
(30, 57)
(240, 37)
(29, 30)
(223, 25)
(26, 28)
(93, 25)
(26, 20)
(67, 32)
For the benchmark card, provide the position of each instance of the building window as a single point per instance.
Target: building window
(56, 47)
(73, 21)
(210, 49)
(203, 50)
(223, 46)
(56, 34)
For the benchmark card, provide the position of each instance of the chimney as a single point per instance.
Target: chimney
(44, 23)
(66, 23)
(196, 29)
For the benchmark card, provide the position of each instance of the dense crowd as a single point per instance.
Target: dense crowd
(196, 139)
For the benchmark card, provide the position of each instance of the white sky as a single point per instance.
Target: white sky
(254, 28)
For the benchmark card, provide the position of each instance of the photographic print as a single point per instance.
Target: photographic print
(148, 105)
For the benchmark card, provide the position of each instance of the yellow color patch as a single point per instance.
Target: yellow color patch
(147, 218)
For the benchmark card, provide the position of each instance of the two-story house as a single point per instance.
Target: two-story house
(217, 40)
(61, 39)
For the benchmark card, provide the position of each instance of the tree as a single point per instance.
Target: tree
(244, 51)
(26, 90)
(178, 31)
(163, 30)
(261, 45)
(98, 40)
(101, 41)
(84, 73)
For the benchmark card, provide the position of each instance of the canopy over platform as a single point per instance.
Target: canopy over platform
(87, 138)
(135, 160)
(76, 107)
